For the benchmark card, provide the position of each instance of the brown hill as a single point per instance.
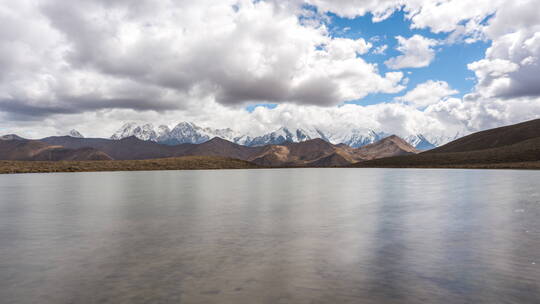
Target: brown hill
(130, 148)
(319, 153)
(293, 154)
(222, 148)
(63, 154)
(478, 150)
(493, 138)
(315, 152)
(21, 149)
(335, 159)
(387, 147)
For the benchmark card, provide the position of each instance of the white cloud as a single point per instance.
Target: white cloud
(428, 93)
(380, 50)
(71, 57)
(69, 64)
(511, 67)
(464, 16)
(381, 9)
(448, 117)
(482, 113)
(513, 27)
(417, 52)
(393, 118)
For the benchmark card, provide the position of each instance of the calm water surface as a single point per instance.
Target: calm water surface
(271, 236)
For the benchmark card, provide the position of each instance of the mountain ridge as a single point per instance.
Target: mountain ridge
(188, 132)
(311, 152)
(517, 144)
(514, 146)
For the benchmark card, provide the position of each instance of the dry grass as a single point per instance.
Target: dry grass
(180, 163)
(532, 165)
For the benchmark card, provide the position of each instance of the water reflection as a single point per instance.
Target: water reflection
(271, 236)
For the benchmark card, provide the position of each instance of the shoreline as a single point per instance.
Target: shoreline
(211, 163)
(178, 163)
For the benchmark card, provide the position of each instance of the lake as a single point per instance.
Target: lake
(271, 236)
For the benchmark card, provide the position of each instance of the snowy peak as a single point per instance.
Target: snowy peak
(75, 133)
(357, 138)
(420, 142)
(11, 137)
(282, 135)
(188, 132)
(183, 132)
(142, 132)
(163, 131)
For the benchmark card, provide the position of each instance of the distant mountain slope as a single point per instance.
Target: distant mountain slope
(293, 154)
(493, 138)
(75, 133)
(336, 159)
(17, 149)
(512, 144)
(63, 154)
(36, 150)
(11, 137)
(387, 147)
(525, 151)
(314, 152)
(420, 142)
(223, 148)
(320, 153)
(130, 148)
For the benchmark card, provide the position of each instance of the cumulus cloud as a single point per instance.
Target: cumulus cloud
(510, 68)
(512, 27)
(69, 64)
(417, 52)
(380, 50)
(445, 118)
(463, 16)
(428, 93)
(70, 57)
(381, 9)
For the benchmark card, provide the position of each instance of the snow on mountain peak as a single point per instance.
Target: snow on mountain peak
(75, 133)
(142, 132)
(282, 135)
(188, 132)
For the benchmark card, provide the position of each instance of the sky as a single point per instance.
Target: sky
(438, 67)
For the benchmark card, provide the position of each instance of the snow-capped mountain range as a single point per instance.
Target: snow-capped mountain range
(187, 132)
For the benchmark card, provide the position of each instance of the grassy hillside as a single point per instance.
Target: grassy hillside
(180, 163)
(493, 138)
(525, 154)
